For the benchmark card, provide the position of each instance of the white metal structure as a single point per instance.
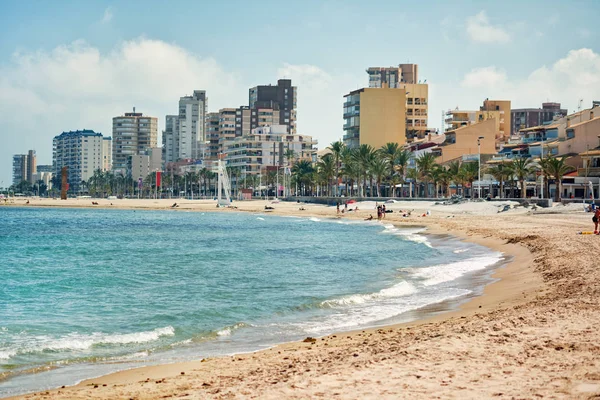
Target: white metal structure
(223, 186)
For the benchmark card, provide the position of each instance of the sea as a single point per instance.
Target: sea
(86, 292)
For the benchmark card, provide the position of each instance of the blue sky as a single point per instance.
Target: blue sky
(67, 65)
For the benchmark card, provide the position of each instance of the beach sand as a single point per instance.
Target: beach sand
(532, 334)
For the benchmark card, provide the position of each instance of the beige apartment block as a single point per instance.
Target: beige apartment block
(463, 141)
(133, 134)
(406, 76)
(491, 109)
(375, 116)
(267, 147)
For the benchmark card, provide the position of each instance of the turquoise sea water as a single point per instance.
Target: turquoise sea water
(87, 292)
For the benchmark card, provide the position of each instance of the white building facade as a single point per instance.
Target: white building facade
(82, 152)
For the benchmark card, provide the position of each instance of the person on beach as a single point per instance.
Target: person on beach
(370, 218)
(383, 211)
(346, 206)
(596, 218)
(378, 213)
(338, 207)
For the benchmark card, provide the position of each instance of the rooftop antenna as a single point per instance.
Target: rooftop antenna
(580, 103)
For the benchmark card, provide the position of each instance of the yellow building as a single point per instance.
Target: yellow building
(405, 76)
(491, 109)
(463, 141)
(375, 116)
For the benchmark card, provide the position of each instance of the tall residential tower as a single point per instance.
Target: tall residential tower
(133, 134)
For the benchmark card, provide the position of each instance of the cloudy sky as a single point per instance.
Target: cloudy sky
(67, 65)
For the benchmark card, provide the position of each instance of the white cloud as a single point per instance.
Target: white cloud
(481, 30)
(76, 86)
(573, 77)
(484, 77)
(108, 15)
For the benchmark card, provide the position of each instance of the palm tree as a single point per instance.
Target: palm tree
(439, 176)
(522, 168)
(557, 169)
(337, 149)
(401, 161)
(469, 172)
(326, 169)
(425, 164)
(502, 173)
(364, 156)
(454, 174)
(379, 169)
(389, 152)
(302, 173)
(413, 174)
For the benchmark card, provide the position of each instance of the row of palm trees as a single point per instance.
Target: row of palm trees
(379, 172)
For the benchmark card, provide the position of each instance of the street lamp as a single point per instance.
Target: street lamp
(479, 166)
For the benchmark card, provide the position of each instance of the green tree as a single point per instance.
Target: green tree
(425, 163)
(379, 169)
(557, 169)
(469, 172)
(502, 173)
(337, 149)
(522, 168)
(326, 169)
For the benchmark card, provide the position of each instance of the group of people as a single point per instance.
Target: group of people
(345, 210)
(381, 212)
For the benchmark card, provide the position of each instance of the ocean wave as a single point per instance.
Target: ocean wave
(401, 289)
(314, 219)
(231, 328)
(460, 251)
(6, 354)
(260, 218)
(78, 342)
(448, 272)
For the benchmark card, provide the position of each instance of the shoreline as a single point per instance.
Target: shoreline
(517, 284)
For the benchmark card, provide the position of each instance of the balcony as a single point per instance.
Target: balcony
(592, 171)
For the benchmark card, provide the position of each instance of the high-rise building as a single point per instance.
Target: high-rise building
(192, 117)
(406, 76)
(133, 133)
(522, 118)
(277, 103)
(185, 135)
(31, 166)
(24, 167)
(82, 152)
(170, 137)
(19, 168)
(375, 116)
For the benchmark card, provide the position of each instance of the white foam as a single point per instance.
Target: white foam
(228, 330)
(6, 354)
(448, 272)
(314, 219)
(401, 289)
(260, 218)
(460, 251)
(80, 342)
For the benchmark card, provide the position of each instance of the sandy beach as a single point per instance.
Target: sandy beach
(532, 334)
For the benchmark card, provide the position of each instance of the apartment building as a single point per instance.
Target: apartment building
(522, 118)
(499, 110)
(133, 134)
(185, 134)
(82, 152)
(141, 165)
(375, 116)
(24, 167)
(266, 147)
(277, 103)
(406, 76)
